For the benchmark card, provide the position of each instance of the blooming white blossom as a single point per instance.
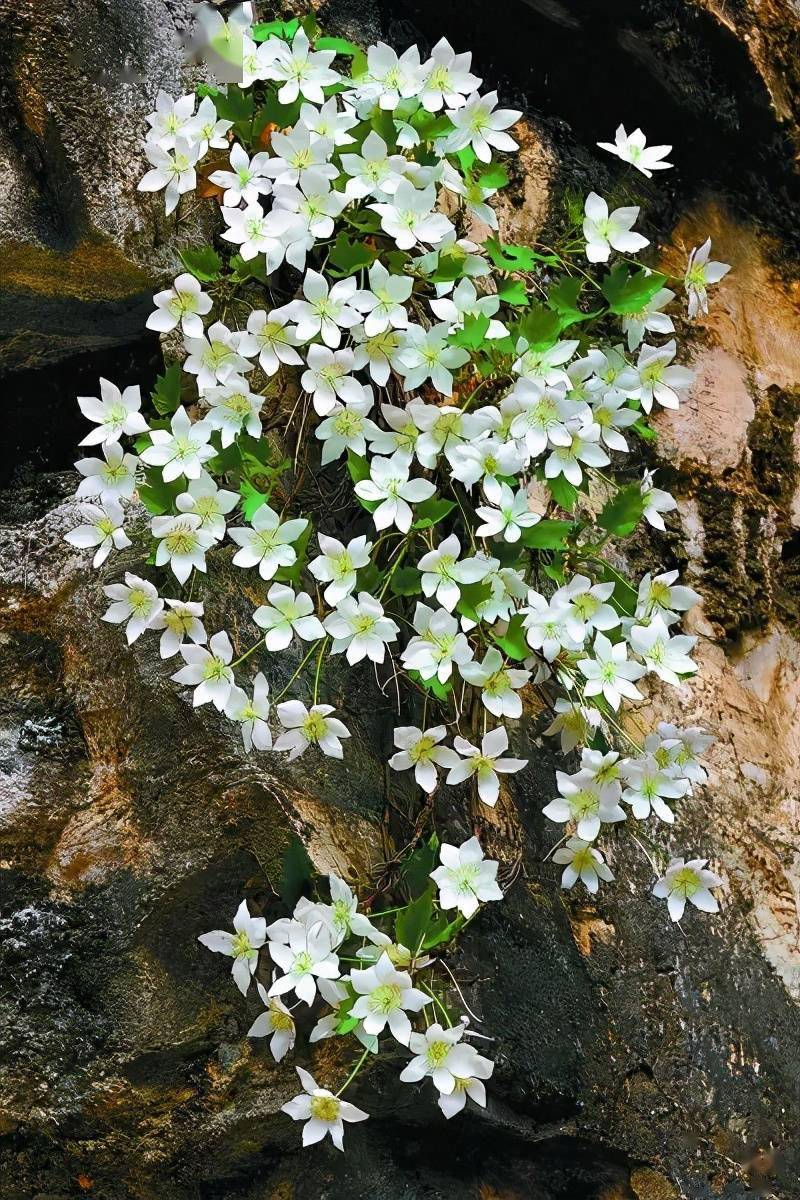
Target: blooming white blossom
(545, 624)
(581, 861)
(658, 380)
(297, 155)
(632, 148)
(268, 544)
(390, 488)
(251, 713)
(611, 412)
(211, 503)
(422, 751)
(587, 606)
(182, 543)
(306, 727)
(246, 180)
(322, 1112)
(656, 501)
(700, 274)
(649, 319)
(112, 478)
(485, 763)
(427, 354)
(208, 671)
(256, 232)
(479, 123)
(270, 337)
(115, 412)
(545, 366)
(690, 881)
(383, 303)
(447, 78)
(574, 723)
(287, 613)
(686, 747)
(584, 448)
(242, 946)
(360, 629)
(208, 129)
(184, 304)
(173, 171)
(374, 171)
(444, 428)
(385, 996)
(325, 311)
(277, 1023)
(465, 878)
(444, 572)
(136, 601)
(337, 565)
(328, 377)
(606, 231)
(507, 513)
(300, 70)
(650, 786)
(172, 119)
(409, 217)
(180, 450)
(307, 956)
(661, 596)
(313, 205)
(473, 1068)
(540, 415)
(667, 656)
(102, 529)
(586, 801)
(499, 684)
(234, 409)
(329, 121)
(180, 619)
(389, 78)
(213, 358)
(609, 672)
(347, 428)
(438, 644)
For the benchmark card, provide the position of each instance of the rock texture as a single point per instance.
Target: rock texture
(636, 1061)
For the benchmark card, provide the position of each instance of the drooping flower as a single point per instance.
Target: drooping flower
(323, 1112)
(632, 148)
(700, 274)
(485, 763)
(306, 727)
(465, 878)
(251, 713)
(690, 881)
(277, 1023)
(102, 529)
(421, 750)
(242, 946)
(581, 861)
(385, 996)
(473, 1068)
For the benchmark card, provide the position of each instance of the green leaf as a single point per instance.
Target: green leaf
(369, 578)
(629, 292)
(364, 220)
(340, 45)
(418, 866)
(411, 923)
(203, 262)
(297, 870)
(449, 267)
(441, 930)
(406, 581)
(512, 642)
(494, 176)
(252, 499)
(563, 492)
(272, 112)
(513, 293)
(539, 326)
(357, 466)
(472, 596)
(621, 514)
(645, 432)
(280, 29)
(563, 299)
(159, 497)
(350, 256)
(472, 333)
(166, 395)
(234, 105)
(431, 512)
(547, 535)
(625, 597)
(466, 158)
(510, 258)
(440, 690)
(346, 1024)
(253, 268)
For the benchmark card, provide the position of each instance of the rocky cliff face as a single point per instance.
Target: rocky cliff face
(635, 1060)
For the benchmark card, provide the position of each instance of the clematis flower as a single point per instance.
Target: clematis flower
(323, 1112)
(345, 917)
(347, 428)
(437, 1055)
(207, 129)
(444, 572)
(465, 878)
(328, 377)
(180, 619)
(582, 861)
(390, 488)
(447, 78)
(427, 354)
(479, 123)
(690, 881)
(251, 714)
(306, 727)
(545, 366)
(300, 70)
(277, 1023)
(337, 565)
(116, 413)
(172, 119)
(650, 786)
(385, 995)
(667, 656)
(181, 543)
(499, 684)
(102, 528)
(247, 179)
(421, 750)
(606, 231)
(700, 274)
(585, 801)
(112, 477)
(360, 628)
(385, 300)
(438, 644)
(136, 602)
(574, 723)
(540, 415)
(373, 172)
(649, 319)
(324, 312)
(297, 155)
(545, 623)
(180, 450)
(307, 956)
(213, 358)
(329, 121)
(660, 596)
(690, 744)
(268, 545)
(507, 513)
(313, 206)
(211, 503)
(610, 673)
(584, 449)
(587, 607)
(242, 946)
(444, 428)
(485, 763)
(271, 338)
(288, 613)
(658, 379)
(389, 78)
(208, 671)
(656, 501)
(234, 409)
(173, 171)
(473, 1068)
(256, 232)
(632, 148)
(410, 218)
(184, 304)
(611, 413)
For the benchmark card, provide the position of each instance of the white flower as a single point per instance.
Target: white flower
(277, 1023)
(700, 273)
(298, 154)
(344, 914)
(184, 304)
(115, 413)
(384, 995)
(443, 427)
(648, 319)
(373, 172)
(256, 232)
(384, 302)
(438, 1056)
(180, 450)
(667, 656)
(421, 750)
(541, 415)
(391, 489)
(337, 565)
(310, 727)
(313, 205)
(586, 801)
(322, 1111)
(251, 714)
(271, 338)
(328, 376)
(545, 366)
(659, 596)
(208, 671)
(389, 79)
(447, 78)
(207, 129)
(329, 121)
(234, 409)
(610, 673)
(112, 477)
(632, 148)
(181, 543)
(324, 312)
(586, 606)
(473, 1068)
(308, 955)
(498, 683)
(410, 217)
(465, 878)
(427, 354)
(582, 861)
(658, 380)
(650, 786)
(656, 502)
(102, 528)
(486, 457)
(379, 354)
(360, 628)
(573, 722)
(288, 613)
(463, 302)
(438, 644)
(268, 544)
(402, 434)
(172, 170)
(545, 623)
(212, 504)
(485, 763)
(605, 232)
(347, 428)
(242, 946)
(179, 620)
(584, 447)
(444, 573)
(611, 413)
(480, 123)
(687, 881)
(686, 746)
(213, 357)
(300, 70)
(172, 119)
(135, 601)
(507, 513)
(247, 179)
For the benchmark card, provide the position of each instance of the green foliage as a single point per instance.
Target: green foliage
(279, 29)
(411, 923)
(431, 512)
(203, 262)
(472, 334)
(348, 255)
(547, 535)
(297, 871)
(629, 291)
(159, 497)
(563, 492)
(406, 581)
(418, 866)
(512, 642)
(621, 514)
(515, 258)
(166, 395)
(539, 326)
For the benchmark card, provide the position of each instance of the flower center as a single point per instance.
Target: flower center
(386, 998)
(280, 1019)
(420, 751)
(139, 601)
(584, 804)
(214, 670)
(314, 727)
(436, 1053)
(685, 882)
(241, 945)
(325, 1108)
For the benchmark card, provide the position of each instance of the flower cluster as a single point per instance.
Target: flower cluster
(487, 404)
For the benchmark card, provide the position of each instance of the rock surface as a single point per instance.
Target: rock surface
(635, 1061)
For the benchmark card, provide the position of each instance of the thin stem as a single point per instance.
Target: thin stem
(438, 1002)
(247, 653)
(354, 1072)
(285, 689)
(319, 668)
